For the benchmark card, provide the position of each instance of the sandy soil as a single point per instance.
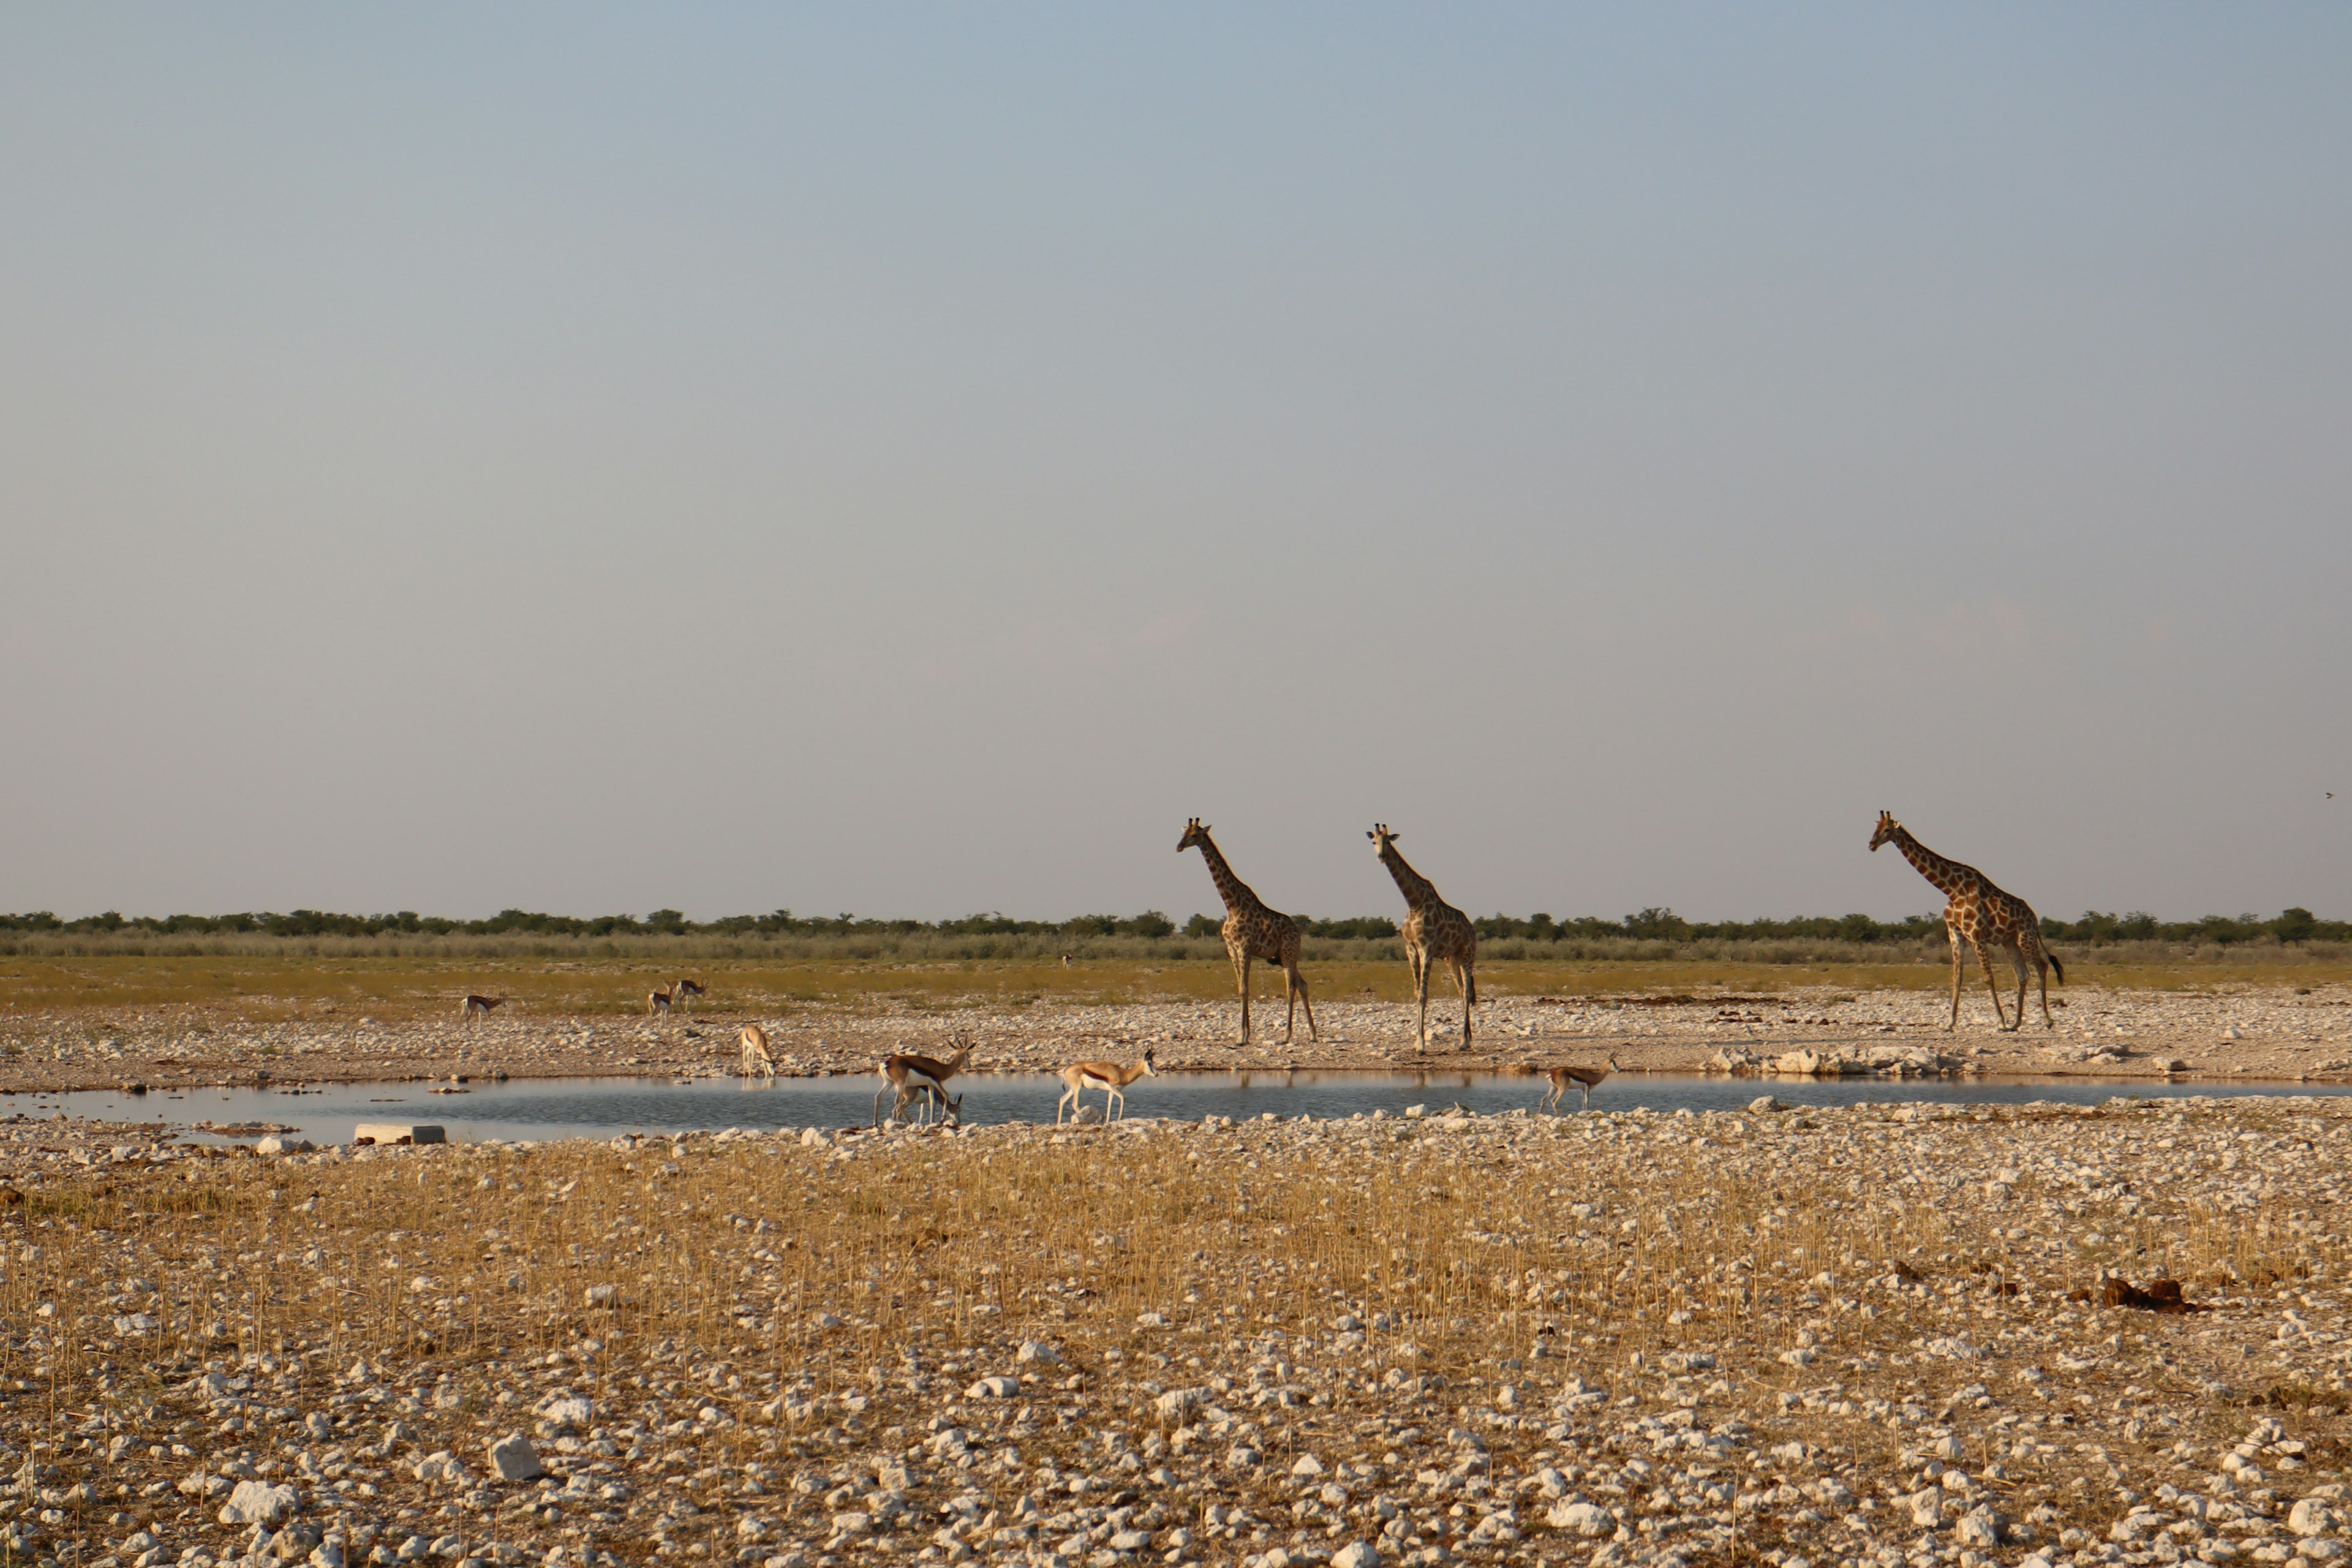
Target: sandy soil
(2273, 1033)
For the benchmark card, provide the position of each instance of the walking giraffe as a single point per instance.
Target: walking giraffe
(1433, 928)
(1981, 914)
(1253, 930)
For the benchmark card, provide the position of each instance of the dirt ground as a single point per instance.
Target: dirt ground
(2276, 1032)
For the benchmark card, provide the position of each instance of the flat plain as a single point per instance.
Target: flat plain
(94, 1021)
(1880, 1335)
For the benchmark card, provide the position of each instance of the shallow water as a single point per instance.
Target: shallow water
(603, 1107)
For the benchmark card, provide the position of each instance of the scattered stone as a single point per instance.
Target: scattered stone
(514, 1458)
(258, 1502)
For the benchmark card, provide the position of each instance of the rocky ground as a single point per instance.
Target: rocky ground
(1874, 1336)
(2278, 1031)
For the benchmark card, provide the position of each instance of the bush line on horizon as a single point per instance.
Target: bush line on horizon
(2095, 928)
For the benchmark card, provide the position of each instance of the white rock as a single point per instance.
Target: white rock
(327, 1553)
(1173, 1405)
(1037, 1350)
(1356, 1554)
(1586, 1518)
(811, 1137)
(390, 1132)
(600, 1295)
(1306, 1465)
(993, 1388)
(568, 1413)
(514, 1458)
(258, 1502)
(1980, 1526)
(2310, 1517)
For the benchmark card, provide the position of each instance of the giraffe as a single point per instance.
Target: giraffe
(1977, 912)
(1433, 928)
(1253, 930)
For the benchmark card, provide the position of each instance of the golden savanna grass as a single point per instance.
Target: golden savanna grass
(282, 981)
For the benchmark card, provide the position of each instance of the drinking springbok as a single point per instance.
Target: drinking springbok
(899, 1070)
(479, 1007)
(1109, 1077)
(755, 1052)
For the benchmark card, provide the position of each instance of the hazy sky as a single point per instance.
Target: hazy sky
(906, 460)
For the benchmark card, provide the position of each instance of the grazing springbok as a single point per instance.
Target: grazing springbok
(479, 1007)
(755, 1052)
(684, 992)
(1586, 1079)
(657, 1000)
(1109, 1077)
(898, 1071)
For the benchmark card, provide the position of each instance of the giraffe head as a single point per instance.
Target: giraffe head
(1381, 839)
(1887, 828)
(1195, 832)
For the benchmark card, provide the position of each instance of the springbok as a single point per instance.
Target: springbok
(935, 1097)
(755, 1052)
(899, 1070)
(479, 1007)
(684, 992)
(1109, 1077)
(1586, 1079)
(657, 1000)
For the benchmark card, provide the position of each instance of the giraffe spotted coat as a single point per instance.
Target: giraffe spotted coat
(1252, 931)
(1986, 918)
(1433, 931)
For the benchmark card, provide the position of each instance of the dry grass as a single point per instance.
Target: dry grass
(1513, 1257)
(282, 981)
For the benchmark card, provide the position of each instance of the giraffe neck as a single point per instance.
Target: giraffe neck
(1237, 894)
(1416, 888)
(1949, 876)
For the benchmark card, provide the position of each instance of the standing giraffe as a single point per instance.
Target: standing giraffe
(1433, 928)
(1253, 930)
(1977, 912)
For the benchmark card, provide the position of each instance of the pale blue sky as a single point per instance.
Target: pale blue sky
(908, 460)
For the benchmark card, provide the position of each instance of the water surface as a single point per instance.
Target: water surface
(603, 1107)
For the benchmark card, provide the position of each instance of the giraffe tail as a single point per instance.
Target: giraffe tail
(2055, 965)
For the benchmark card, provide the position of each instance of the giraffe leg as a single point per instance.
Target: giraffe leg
(1955, 1022)
(1420, 989)
(2042, 970)
(2016, 962)
(1241, 968)
(1299, 985)
(1984, 958)
(1461, 982)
